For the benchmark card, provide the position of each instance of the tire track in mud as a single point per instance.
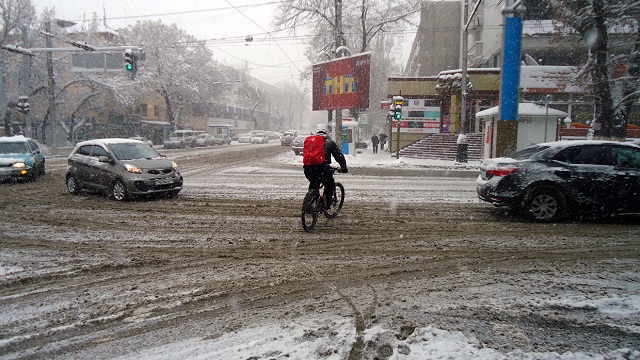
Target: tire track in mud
(142, 269)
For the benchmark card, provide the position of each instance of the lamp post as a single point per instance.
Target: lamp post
(567, 123)
(546, 115)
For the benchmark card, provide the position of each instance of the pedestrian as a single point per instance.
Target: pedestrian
(374, 143)
(383, 140)
(463, 143)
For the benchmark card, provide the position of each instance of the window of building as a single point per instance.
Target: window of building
(142, 110)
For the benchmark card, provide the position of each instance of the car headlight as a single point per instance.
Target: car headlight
(174, 166)
(19, 165)
(133, 169)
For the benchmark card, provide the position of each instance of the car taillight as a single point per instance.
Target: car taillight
(501, 171)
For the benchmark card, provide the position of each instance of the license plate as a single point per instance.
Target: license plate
(164, 181)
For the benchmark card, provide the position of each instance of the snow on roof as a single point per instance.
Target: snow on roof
(540, 27)
(98, 27)
(526, 109)
(551, 79)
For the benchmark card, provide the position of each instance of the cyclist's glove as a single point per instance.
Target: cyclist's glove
(344, 170)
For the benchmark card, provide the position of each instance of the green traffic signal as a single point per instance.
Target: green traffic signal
(129, 67)
(397, 115)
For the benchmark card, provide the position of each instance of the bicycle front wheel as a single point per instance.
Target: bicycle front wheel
(310, 210)
(336, 202)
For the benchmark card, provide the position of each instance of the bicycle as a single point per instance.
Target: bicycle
(314, 204)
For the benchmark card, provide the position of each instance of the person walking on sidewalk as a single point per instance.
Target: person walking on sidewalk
(374, 143)
(383, 140)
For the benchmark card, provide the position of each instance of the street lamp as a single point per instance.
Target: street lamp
(546, 115)
(567, 123)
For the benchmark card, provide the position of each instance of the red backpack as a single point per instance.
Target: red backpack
(313, 151)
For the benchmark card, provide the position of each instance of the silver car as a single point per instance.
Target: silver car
(205, 140)
(123, 168)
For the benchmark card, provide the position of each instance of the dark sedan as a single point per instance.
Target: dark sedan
(546, 182)
(298, 144)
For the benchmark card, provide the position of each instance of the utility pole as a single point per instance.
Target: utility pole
(463, 65)
(51, 84)
(506, 132)
(26, 59)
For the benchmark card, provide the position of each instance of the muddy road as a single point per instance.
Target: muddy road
(86, 277)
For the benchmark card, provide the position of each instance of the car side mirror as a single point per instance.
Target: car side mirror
(105, 159)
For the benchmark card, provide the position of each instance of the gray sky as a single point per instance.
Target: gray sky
(224, 24)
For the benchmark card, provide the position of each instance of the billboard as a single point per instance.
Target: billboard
(342, 83)
(418, 116)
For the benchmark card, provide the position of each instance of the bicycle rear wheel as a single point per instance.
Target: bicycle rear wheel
(336, 202)
(310, 210)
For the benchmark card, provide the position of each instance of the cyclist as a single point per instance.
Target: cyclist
(322, 173)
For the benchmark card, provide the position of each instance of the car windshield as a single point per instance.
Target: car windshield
(14, 148)
(133, 151)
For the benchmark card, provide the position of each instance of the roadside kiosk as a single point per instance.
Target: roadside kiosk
(349, 136)
(536, 124)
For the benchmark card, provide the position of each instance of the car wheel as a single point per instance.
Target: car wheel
(544, 204)
(72, 185)
(118, 191)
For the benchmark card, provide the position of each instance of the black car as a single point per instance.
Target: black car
(298, 144)
(549, 181)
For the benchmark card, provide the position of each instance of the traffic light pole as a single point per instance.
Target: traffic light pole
(49, 49)
(51, 84)
(25, 81)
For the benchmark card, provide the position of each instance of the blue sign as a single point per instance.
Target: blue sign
(511, 68)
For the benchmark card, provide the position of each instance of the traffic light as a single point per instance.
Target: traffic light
(397, 107)
(130, 62)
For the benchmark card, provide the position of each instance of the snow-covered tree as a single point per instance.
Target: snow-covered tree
(595, 22)
(176, 66)
(15, 16)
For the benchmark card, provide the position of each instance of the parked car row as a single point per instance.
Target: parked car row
(246, 137)
(180, 139)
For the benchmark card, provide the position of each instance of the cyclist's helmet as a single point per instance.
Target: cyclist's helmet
(321, 132)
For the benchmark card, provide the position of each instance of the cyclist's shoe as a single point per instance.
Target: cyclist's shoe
(328, 203)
